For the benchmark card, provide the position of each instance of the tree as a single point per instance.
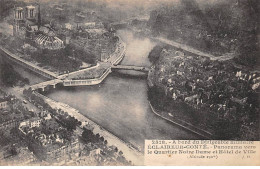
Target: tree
(98, 136)
(154, 54)
(88, 136)
(102, 139)
(79, 123)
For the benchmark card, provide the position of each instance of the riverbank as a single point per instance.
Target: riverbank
(192, 50)
(183, 124)
(187, 48)
(131, 154)
(28, 65)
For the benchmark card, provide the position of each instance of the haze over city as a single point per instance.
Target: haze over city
(86, 82)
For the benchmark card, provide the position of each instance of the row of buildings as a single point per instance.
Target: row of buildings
(10, 113)
(214, 87)
(48, 140)
(12, 150)
(44, 140)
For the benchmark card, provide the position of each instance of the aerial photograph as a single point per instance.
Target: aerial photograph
(86, 82)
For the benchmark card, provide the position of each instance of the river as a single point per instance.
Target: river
(120, 103)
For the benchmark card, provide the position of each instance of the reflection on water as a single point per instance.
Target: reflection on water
(137, 48)
(120, 103)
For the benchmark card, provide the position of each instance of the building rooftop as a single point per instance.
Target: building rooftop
(18, 8)
(30, 7)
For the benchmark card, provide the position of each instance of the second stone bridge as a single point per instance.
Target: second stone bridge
(130, 67)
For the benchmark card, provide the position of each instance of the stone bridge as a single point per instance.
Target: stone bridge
(43, 85)
(131, 67)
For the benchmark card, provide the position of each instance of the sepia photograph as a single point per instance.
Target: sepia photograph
(129, 82)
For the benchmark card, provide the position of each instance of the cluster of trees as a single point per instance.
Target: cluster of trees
(89, 136)
(59, 59)
(10, 77)
(80, 54)
(68, 122)
(218, 27)
(90, 50)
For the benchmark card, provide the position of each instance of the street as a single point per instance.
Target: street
(18, 93)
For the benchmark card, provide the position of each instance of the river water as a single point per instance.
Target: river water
(120, 103)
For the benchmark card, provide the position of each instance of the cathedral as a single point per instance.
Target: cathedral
(27, 25)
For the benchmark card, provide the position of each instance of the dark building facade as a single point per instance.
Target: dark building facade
(27, 25)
